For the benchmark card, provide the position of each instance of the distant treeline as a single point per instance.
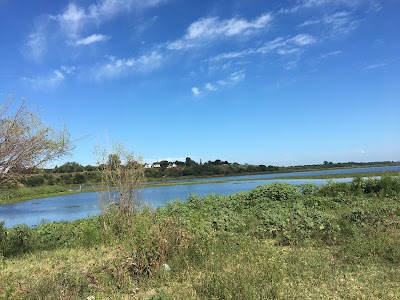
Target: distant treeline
(73, 173)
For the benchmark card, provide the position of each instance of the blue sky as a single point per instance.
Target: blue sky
(262, 82)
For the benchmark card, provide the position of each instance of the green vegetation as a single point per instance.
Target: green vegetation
(8, 196)
(74, 174)
(337, 241)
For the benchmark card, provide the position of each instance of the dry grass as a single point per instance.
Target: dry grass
(255, 270)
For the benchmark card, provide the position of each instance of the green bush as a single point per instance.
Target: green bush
(308, 189)
(275, 191)
(18, 240)
(33, 181)
(335, 189)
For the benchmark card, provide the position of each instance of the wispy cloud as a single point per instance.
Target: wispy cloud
(303, 39)
(210, 87)
(208, 29)
(307, 4)
(280, 45)
(68, 69)
(36, 43)
(117, 67)
(36, 46)
(75, 17)
(237, 76)
(330, 54)
(375, 66)
(337, 24)
(75, 20)
(230, 55)
(309, 23)
(340, 23)
(71, 19)
(94, 38)
(231, 79)
(50, 81)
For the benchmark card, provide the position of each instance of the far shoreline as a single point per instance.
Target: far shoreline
(183, 181)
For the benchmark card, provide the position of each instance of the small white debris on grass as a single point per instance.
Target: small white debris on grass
(166, 267)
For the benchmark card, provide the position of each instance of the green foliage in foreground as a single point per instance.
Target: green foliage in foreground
(275, 242)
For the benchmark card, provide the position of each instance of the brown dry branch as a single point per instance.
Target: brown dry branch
(122, 176)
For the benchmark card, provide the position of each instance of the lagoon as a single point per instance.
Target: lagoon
(82, 205)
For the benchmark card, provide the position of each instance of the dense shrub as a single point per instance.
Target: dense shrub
(33, 181)
(335, 189)
(308, 189)
(22, 238)
(276, 191)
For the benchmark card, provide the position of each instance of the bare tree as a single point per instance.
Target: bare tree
(122, 176)
(25, 142)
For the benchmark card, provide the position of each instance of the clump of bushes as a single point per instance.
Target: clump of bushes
(276, 191)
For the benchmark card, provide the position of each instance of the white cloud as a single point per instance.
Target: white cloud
(287, 51)
(117, 67)
(272, 45)
(109, 8)
(340, 23)
(68, 70)
(307, 4)
(206, 29)
(309, 23)
(49, 81)
(375, 66)
(75, 17)
(196, 91)
(94, 38)
(303, 39)
(231, 80)
(210, 87)
(36, 46)
(230, 55)
(72, 18)
(291, 47)
(329, 54)
(237, 76)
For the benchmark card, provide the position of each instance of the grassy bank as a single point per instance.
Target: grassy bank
(338, 241)
(8, 196)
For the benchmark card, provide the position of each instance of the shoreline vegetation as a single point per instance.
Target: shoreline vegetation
(276, 241)
(10, 196)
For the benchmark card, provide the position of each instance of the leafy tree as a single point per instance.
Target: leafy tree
(70, 167)
(189, 162)
(179, 163)
(25, 142)
(164, 163)
(79, 178)
(90, 168)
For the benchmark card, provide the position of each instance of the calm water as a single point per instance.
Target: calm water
(78, 206)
